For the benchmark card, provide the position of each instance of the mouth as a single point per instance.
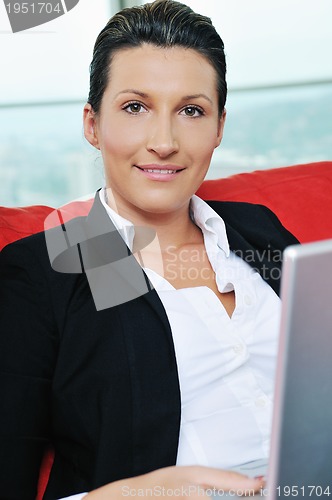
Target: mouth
(160, 173)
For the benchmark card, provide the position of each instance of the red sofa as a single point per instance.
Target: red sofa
(300, 195)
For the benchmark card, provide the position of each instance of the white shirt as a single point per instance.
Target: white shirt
(226, 365)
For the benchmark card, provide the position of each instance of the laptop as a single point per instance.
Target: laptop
(300, 463)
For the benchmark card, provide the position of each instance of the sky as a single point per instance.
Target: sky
(266, 42)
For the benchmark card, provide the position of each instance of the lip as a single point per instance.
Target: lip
(158, 172)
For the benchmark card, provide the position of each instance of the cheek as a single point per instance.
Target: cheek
(203, 136)
(202, 143)
(120, 140)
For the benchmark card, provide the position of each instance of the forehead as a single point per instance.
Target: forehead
(154, 67)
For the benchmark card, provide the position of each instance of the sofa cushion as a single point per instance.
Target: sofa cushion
(16, 223)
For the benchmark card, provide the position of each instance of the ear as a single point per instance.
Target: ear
(221, 125)
(90, 126)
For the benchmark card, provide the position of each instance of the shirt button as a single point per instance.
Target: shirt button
(247, 300)
(238, 349)
(260, 402)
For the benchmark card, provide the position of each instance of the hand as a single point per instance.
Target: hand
(181, 481)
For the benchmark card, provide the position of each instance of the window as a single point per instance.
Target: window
(280, 82)
(44, 157)
(278, 109)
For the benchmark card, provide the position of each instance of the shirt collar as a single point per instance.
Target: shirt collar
(124, 226)
(201, 213)
(209, 222)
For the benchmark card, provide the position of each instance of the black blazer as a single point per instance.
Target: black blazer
(101, 386)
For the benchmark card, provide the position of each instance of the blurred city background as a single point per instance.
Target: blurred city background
(279, 106)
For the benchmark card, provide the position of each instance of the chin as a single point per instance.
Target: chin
(162, 204)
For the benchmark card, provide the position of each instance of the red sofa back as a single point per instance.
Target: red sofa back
(300, 195)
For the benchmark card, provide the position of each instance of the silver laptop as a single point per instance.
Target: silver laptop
(300, 463)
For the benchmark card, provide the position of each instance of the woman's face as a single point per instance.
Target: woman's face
(157, 127)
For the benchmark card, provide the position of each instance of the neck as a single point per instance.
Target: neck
(173, 229)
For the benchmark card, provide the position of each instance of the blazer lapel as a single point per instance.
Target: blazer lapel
(258, 259)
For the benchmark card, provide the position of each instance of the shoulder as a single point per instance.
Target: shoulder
(230, 210)
(31, 249)
(34, 248)
(28, 262)
(254, 222)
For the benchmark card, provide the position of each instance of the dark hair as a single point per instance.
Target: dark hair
(163, 23)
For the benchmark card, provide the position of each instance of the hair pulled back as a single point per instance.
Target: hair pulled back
(165, 24)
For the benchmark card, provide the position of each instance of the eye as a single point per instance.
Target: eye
(134, 108)
(193, 111)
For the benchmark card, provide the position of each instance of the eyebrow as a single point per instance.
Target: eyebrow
(132, 91)
(144, 95)
(196, 96)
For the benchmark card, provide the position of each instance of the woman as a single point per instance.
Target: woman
(125, 378)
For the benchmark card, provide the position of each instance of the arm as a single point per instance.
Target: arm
(180, 482)
(28, 348)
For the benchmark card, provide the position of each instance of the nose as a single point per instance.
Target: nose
(162, 138)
